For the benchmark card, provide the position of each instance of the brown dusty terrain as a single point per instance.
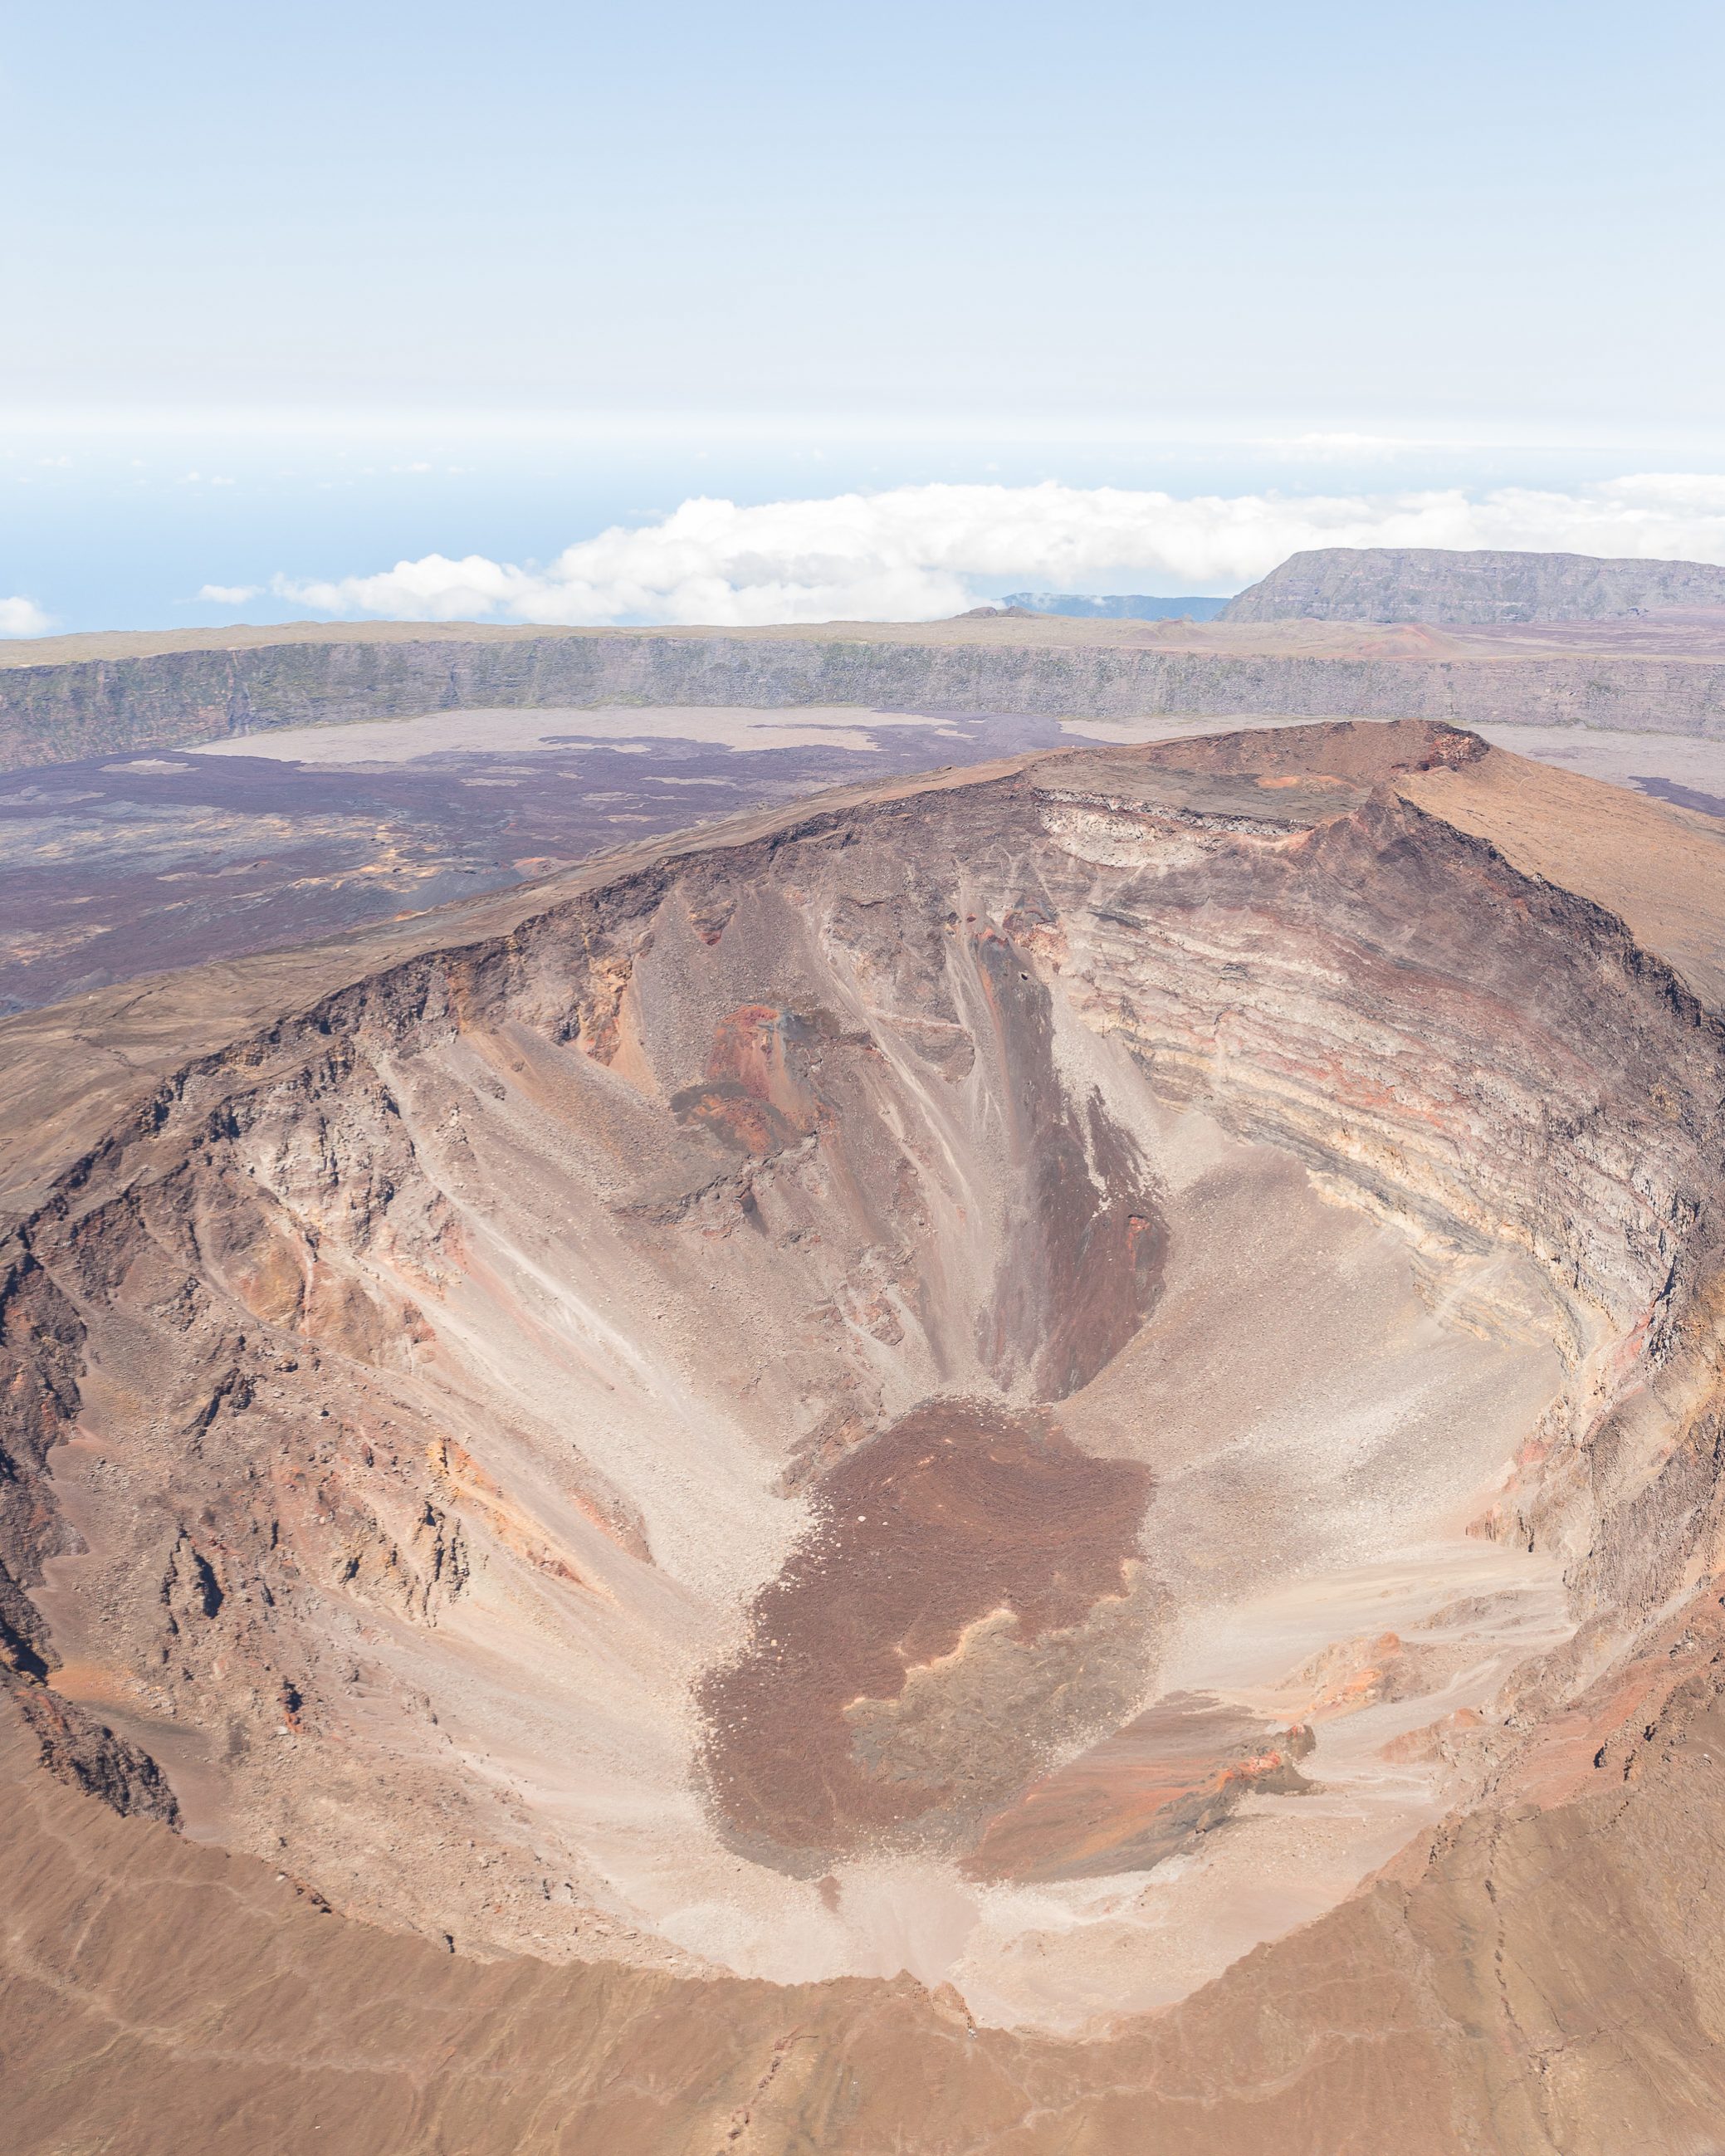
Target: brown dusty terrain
(1539, 1976)
(1016, 1462)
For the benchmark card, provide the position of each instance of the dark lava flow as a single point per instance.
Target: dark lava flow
(130, 862)
(960, 1513)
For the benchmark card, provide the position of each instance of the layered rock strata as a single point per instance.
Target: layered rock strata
(79, 707)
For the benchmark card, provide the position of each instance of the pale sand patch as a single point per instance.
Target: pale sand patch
(1622, 759)
(368, 741)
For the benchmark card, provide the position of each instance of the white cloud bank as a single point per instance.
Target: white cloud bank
(919, 552)
(20, 617)
(230, 594)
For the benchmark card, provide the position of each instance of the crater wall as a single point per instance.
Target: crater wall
(465, 1401)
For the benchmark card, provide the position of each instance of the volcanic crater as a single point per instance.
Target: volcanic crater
(1020, 1377)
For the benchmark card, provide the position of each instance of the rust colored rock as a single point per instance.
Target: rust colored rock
(1178, 1770)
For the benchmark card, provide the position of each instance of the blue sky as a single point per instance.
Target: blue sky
(407, 283)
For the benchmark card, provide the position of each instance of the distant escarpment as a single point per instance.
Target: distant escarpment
(1478, 586)
(79, 707)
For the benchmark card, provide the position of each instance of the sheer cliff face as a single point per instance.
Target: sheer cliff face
(1662, 677)
(681, 1433)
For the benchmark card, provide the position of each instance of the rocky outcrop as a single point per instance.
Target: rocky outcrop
(75, 1748)
(1478, 585)
(41, 1350)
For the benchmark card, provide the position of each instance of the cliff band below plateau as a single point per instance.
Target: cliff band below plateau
(1021, 1461)
(70, 697)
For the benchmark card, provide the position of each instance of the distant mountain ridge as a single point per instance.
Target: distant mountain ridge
(1477, 586)
(1117, 606)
